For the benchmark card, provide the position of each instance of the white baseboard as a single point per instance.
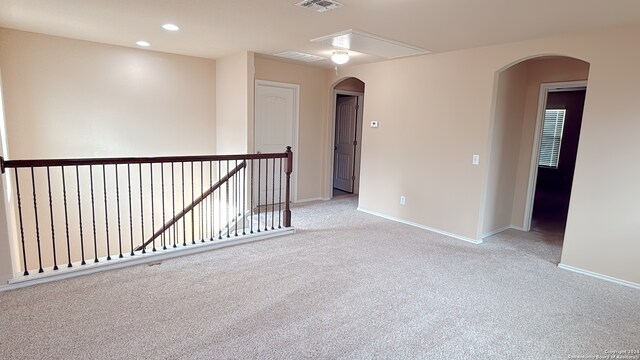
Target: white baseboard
(497, 231)
(600, 276)
(422, 226)
(301, 201)
(20, 281)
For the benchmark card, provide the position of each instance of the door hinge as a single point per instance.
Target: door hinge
(353, 177)
(355, 142)
(357, 107)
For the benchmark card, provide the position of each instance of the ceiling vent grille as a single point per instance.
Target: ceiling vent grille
(319, 5)
(294, 55)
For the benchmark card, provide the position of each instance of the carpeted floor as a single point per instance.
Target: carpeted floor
(346, 285)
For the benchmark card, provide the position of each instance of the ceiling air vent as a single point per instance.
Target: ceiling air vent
(319, 5)
(294, 55)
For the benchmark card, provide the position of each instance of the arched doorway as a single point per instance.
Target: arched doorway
(523, 150)
(348, 99)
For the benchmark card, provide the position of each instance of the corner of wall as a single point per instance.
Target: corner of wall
(7, 253)
(251, 90)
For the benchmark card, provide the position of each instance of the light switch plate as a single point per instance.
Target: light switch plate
(476, 160)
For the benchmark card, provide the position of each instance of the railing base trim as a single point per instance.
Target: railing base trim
(20, 281)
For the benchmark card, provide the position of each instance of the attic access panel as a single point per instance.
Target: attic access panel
(366, 43)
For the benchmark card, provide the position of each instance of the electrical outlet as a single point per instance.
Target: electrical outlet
(403, 200)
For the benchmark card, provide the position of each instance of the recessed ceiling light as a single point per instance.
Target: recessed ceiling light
(143, 43)
(170, 27)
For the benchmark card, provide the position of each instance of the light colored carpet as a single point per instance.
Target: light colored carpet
(346, 285)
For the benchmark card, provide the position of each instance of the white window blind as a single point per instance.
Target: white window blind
(551, 137)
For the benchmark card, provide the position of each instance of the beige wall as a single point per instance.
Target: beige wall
(71, 98)
(426, 137)
(435, 112)
(505, 147)
(234, 105)
(602, 233)
(313, 112)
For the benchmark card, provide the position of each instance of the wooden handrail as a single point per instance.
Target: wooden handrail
(71, 191)
(195, 203)
(4, 164)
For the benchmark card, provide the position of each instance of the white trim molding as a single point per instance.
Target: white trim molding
(497, 231)
(302, 201)
(20, 281)
(441, 232)
(600, 276)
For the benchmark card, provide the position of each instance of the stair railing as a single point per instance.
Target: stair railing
(225, 179)
(70, 212)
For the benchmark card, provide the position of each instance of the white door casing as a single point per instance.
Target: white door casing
(545, 88)
(276, 123)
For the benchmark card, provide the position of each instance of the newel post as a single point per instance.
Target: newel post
(288, 169)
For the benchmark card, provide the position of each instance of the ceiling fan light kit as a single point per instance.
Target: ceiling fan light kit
(340, 57)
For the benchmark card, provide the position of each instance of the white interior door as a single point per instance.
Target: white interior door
(276, 111)
(345, 143)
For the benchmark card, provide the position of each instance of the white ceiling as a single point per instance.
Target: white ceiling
(214, 28)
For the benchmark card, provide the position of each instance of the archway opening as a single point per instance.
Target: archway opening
(348, 99)
(534, 143)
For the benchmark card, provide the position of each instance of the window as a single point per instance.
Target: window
(551, 138)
